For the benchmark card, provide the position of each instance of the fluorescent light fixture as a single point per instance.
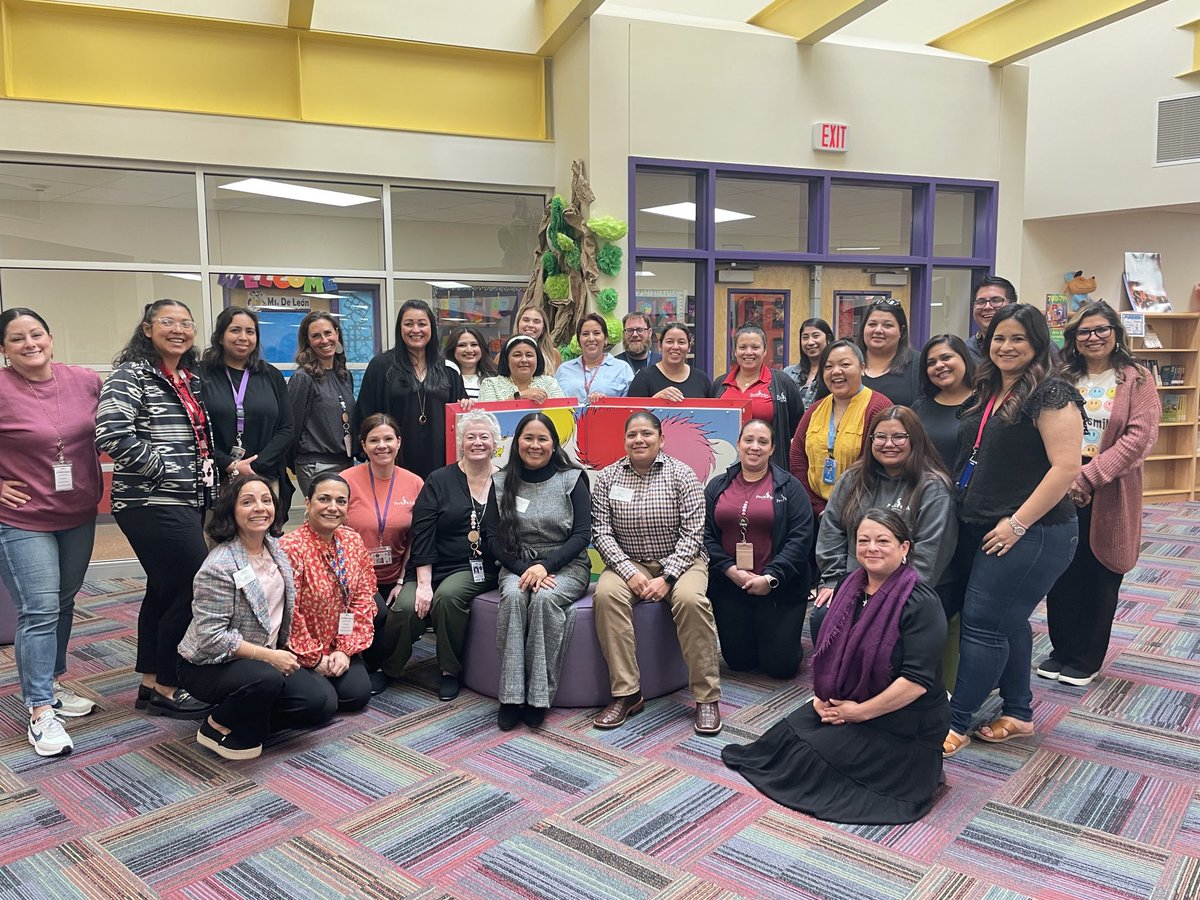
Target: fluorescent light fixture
(448, 284)
(296, 192)
(187, 276)
(323, 296)
(645, 273)
(852, 249)
(687, 211)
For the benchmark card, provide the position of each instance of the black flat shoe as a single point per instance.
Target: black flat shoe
(379, 682)
(229, 746)
(449, 688)
(181, 705)
(533, 716)
(509, 716)
(143, 697)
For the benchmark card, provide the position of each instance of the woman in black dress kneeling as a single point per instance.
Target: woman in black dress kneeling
(868, 750)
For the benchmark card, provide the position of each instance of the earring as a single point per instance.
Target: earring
(904, 560)
(339, 348)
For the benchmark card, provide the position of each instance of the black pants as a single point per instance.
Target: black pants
(169, 543)
(353, 687)
(758, 632)
(253, 698)
(1081, 605)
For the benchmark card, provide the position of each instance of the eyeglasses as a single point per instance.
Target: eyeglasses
(185, 324)
(981, 302)
(899, 439)
(636, 330)
(1100, 331)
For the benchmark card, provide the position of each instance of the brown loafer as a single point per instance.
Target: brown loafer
(708, 718)
(621, 708)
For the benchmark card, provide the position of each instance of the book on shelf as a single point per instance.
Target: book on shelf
(1173, 375)
(1173, 408)
(1151, 366)
(1143, 279)
(1151, 340)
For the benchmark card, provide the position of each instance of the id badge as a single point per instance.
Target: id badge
(743, 553)
(477, 570)
(208, 472)
(345, 624)
(237, 452)
(829, 470)
(381, 556)
(64, 479)
(964, 477)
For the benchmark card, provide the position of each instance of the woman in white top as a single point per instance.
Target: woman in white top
(522, 374)
(466, 350)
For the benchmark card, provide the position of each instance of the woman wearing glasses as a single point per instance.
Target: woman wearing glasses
(1018, 457)
(153, 423)
(1121, 413)
(321, 393)
(889, 366)
(901, 473)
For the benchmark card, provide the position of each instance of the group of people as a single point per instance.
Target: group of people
(924, 502)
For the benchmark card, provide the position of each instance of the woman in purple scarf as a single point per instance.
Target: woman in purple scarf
(868, 750)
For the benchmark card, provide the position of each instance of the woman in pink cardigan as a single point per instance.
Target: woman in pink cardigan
(1121, 416)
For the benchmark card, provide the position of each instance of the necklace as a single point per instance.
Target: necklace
(57, 420)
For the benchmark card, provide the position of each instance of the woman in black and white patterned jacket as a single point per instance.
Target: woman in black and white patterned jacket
(153, 424)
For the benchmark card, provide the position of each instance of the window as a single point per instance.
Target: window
(950, 302)
(754, 214)
(869, 220)
(954, 223)
(666, 210)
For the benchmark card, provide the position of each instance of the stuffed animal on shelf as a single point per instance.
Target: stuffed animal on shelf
(1078, 288)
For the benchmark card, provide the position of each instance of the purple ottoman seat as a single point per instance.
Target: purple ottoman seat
(584, 679)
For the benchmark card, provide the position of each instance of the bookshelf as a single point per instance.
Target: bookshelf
(1171, 471)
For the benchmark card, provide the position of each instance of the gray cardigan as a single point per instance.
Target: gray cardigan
(935, 530)
(224, 615)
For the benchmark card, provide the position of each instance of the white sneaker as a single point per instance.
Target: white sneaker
(68, 703)
(48, 736)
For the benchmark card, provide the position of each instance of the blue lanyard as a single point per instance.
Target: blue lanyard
(239, 399)
(832, 430)
(339, 567)
(382, 518)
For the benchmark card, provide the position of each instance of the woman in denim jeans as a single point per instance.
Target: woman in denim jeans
(1018, 455)
(49, 486)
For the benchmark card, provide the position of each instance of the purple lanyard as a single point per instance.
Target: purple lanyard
(382, 517)
(239, 399)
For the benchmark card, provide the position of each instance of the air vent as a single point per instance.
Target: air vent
(1178, 130)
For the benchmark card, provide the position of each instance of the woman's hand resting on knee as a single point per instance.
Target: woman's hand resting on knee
(283, 660)
(536, 578)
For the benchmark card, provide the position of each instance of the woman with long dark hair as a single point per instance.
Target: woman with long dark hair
(467, 351)
(540, 539)
(412, 384)
(321, 393)
(522, 374)
(246, 400)
(947, 377)
(153, 423)
(1018, 457)
(815, 336)
(888, 360)
(50, 484)
(1121, 414)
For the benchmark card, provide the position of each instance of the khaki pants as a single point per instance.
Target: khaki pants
(694, 624)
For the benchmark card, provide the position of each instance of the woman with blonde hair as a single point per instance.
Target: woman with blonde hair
(531, 320)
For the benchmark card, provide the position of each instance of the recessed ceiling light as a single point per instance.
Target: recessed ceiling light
(645, 273)
(852, 249)
(187, 276)
(687, 212)
(448, 284)
(324, 296)
(304, 194)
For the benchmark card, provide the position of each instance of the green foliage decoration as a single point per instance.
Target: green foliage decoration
(572, 258)
(570, 351)
(616, 330)
(549, 263)
(565, 244)
(607, 300)
(609, 228)
(558, 287)
(608, 260)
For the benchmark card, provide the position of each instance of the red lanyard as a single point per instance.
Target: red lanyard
(195, 412)
(587, 385)
(987, 414)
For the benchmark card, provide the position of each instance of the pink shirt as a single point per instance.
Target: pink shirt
(364, 519)
(29, 440)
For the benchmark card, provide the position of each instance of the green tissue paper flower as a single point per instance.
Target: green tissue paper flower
(607, 300)
(571, 257)
(608, 260)
(557, 205)
(558, 287)
(565, 244)
(609, 228)
(549, 263)
(616, 330)
(569, 351)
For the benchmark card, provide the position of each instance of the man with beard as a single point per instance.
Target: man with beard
(636, 340)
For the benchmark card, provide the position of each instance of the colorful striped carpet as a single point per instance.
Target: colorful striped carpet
(416, 798)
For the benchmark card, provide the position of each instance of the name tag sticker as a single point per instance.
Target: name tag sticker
(624, 494)
(522, 504)
(243, 577)
(345, 623)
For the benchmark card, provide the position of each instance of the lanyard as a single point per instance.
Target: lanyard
(743, 521)
(345, 417)
(57, 420)
(382, 517)
(195, 412)
(833, 431)
(587, 384)
(239, 401)
(987, 414)
(337, 564)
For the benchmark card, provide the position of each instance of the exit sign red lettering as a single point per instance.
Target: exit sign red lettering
(829, 137)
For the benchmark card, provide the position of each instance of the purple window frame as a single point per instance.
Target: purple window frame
(921, 261)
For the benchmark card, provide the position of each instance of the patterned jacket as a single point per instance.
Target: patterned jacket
(143, 426)
(224, 615)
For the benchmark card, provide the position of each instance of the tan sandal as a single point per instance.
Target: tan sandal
(953, 743)
(1005, 728)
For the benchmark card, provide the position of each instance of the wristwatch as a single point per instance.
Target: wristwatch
(1017, 528)
(772, 581)
(670, 579)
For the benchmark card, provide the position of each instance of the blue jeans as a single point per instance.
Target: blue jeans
(43, 570)
(1001, 594)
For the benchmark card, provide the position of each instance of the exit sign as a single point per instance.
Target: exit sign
(829, 137)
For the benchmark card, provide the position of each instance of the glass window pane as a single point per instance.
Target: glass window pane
(93, 314)
(954, 223)
(950, 302)
(665, 292)
(867, 220)
(666, 210)
(762, 215)
(284, 223)
(470, 232)
(98, 215)
(487, 306)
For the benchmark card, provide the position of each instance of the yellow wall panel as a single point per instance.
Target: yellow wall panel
(422, 87)
(86, 55)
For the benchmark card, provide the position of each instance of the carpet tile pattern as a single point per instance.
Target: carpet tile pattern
(414, 798)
